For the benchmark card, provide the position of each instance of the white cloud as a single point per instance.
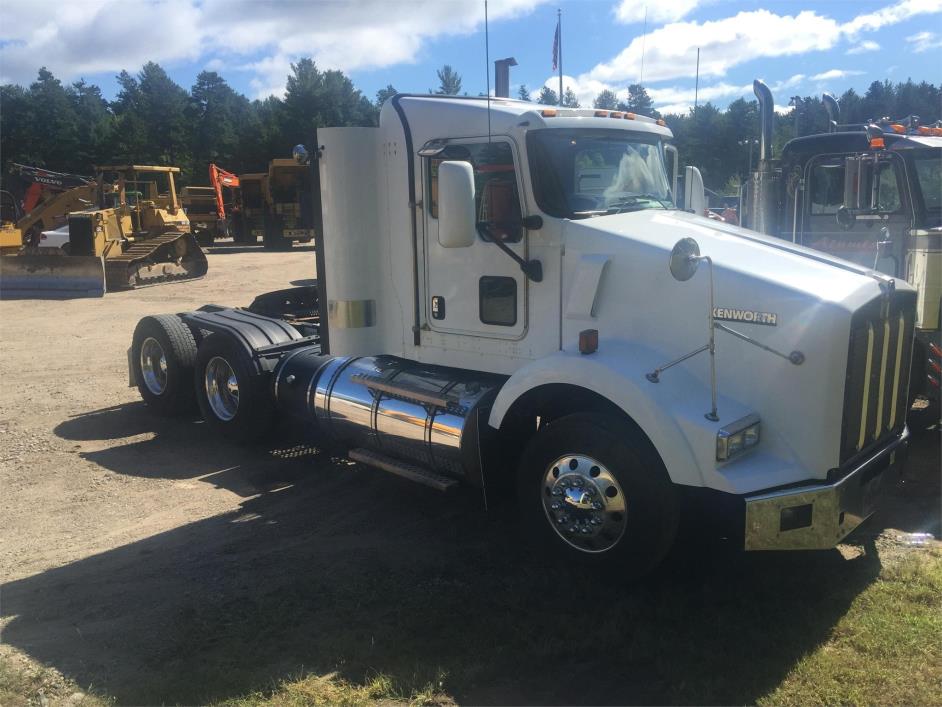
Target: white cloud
(832, 74)
(263, 37)
(629, 11)
(924, 41)
(868, 45)
(670, 52)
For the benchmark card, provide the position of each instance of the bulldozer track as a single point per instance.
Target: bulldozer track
(133, 268)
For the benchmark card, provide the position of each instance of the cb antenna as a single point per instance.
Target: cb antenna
(487, 71)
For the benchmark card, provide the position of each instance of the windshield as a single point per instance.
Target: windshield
(929, 174)
(585, 173)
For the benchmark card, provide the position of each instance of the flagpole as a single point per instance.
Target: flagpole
(559, 25)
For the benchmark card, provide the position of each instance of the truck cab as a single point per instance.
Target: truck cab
(508, 297)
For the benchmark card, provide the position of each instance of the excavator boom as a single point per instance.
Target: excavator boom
(220, 178)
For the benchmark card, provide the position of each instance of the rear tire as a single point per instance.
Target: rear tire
(233, 398)
(592, 492)
(163, 353)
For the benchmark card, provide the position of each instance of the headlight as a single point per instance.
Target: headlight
(737, 437)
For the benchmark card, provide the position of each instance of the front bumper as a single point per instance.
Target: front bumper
(819, 516)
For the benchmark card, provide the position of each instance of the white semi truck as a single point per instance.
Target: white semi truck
(507, 297)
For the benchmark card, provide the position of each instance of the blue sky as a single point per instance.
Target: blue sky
(797, 47)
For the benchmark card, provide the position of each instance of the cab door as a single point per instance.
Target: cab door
(478, 290)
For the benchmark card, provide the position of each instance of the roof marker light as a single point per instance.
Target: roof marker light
(548, 112)
(629, 116)
(662, 122)
(616, 114)
(897, 128)
(601, 114)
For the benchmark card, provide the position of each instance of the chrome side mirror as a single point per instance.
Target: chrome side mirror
(685, 259)
(300, 154)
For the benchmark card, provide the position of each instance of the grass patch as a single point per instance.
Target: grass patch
(24, 684)
(887, 649)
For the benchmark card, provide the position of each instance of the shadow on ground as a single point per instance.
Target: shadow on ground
(340, 568)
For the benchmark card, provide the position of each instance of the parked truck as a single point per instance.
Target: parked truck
(507, 298)
(870, 193)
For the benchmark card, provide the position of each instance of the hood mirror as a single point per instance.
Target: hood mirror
(685, 259)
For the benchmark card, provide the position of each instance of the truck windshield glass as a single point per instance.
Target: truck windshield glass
(929, 172)
(585, 173)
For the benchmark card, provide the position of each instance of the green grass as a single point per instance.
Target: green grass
(24, 685)
(887, 649)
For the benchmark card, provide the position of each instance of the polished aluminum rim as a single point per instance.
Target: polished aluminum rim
(222, 388)
(154, 366)
(584, 503)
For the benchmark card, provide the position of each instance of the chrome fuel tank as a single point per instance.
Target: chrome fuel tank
(418, 414)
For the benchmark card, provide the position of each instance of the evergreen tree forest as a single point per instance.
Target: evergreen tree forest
(70, 127)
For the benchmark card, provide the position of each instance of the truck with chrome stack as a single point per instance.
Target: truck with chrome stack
(507, 298)
(870, 193)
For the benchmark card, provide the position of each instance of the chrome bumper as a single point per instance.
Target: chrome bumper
(817, 517)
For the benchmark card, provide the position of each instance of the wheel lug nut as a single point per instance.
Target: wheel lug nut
(597, 506)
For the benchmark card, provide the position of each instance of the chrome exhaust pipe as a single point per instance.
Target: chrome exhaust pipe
(834, 111)
(766, 113)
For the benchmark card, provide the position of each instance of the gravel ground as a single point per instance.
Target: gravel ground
(139, 554)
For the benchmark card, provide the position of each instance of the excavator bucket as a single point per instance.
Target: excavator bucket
(51, 276)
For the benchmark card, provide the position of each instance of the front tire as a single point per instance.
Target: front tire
(592, 491)
(233, 397)
(163, 353)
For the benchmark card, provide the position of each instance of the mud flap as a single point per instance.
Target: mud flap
(51, 276)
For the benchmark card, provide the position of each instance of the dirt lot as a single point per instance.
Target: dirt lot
(153, 563)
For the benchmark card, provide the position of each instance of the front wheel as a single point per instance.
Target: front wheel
(592, 492)
(233, 397)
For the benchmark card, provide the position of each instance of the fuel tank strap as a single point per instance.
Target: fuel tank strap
(402, 391)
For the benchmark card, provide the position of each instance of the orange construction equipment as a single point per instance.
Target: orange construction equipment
(219, 178)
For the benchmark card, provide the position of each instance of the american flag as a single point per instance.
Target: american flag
(556, 48)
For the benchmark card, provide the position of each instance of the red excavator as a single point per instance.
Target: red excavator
(206, 207)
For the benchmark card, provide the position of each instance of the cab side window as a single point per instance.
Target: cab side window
(827, 187)
(497, 200)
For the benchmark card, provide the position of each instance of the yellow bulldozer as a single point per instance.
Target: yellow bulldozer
(135, 234)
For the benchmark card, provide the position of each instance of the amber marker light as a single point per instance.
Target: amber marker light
(588, 341)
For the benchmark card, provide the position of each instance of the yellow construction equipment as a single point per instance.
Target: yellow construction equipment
(137, 234)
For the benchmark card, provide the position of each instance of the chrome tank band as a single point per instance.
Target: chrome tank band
(420, 414)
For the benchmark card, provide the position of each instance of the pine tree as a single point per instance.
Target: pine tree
(449, 81)
(570, 100)
(523, 94)
(384, 94)
(606, 100)
(547, 97)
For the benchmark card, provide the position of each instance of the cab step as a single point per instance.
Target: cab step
(407, 471)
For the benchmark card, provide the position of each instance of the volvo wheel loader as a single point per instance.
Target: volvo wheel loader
(136, 235)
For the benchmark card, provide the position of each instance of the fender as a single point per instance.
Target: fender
(670, 413)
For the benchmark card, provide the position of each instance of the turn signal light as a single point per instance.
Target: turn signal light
(877, 143)
(588, 341)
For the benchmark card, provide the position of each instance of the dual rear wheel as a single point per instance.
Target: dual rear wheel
(178, 371)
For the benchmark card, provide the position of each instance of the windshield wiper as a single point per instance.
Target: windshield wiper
(634, 203)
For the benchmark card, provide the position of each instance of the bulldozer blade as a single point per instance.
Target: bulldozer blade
(51, 276)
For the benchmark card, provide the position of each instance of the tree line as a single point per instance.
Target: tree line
(156, 121)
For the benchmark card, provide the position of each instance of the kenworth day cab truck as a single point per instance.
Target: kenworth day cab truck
(507, 297)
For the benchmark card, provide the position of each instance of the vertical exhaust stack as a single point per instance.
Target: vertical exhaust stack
(834, 111)
(760, 196)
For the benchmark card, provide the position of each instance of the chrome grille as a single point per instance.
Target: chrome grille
(876, 389)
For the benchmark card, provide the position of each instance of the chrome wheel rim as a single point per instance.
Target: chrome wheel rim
(222, 388)
(584, 503)
(154, 366)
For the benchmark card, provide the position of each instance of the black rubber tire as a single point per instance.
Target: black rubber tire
(255, 411)
(652, 500)
(180, 345)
